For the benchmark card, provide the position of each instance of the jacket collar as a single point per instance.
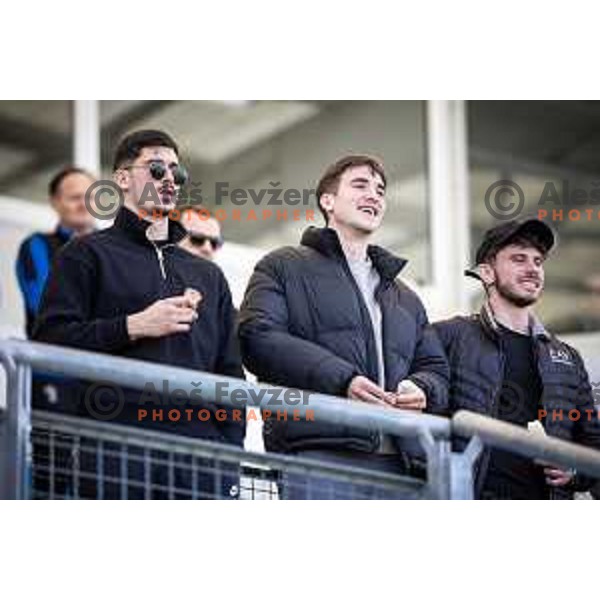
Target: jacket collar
(326, 241)
(63, 233)
(492, 327)
(135, 227)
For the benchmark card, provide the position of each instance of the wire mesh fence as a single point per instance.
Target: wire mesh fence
(73, 458)
(52, 455)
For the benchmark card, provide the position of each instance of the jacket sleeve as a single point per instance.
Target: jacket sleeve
(587, 428)
(274, 354)
(66, 310)
(444, 334)
(33, 265)
(429, 369)
(229, 361)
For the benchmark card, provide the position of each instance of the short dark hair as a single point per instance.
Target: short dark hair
(329, 182)
(130, 147)
(55, 182)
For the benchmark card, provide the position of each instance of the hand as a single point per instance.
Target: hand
(194, 297)
(557, 477)
(164, 317)
(409, 396)
(363, 389)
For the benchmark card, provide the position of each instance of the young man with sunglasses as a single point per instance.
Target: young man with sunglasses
(204, 234)
(132, 291)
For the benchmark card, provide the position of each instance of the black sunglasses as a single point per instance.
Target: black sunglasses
(200, 240)
(158, 170)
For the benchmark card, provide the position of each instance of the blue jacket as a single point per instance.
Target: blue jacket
(34, 261)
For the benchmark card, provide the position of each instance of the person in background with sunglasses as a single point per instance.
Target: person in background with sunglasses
(204, 234)
(132, 291)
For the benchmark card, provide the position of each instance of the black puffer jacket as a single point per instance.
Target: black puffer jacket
(304, 324)
(476, 360)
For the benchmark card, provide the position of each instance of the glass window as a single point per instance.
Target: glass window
(35, 142)
(268, 145)
(550, 150)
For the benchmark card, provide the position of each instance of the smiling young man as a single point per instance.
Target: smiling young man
(330, 316)
(506, 365)
(132, 291)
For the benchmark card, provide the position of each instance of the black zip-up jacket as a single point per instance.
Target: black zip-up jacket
(304, 324)
(100, 279)
(476, 358)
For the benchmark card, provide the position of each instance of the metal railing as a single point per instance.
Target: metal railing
(77, 457)
(505, 436)
(85, 458)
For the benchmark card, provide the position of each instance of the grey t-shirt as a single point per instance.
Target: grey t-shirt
(367, 279)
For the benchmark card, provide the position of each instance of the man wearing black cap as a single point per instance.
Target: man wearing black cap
(506, 365)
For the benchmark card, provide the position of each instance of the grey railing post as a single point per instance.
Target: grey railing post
(438, 465)
(462, 475)
(16, 426)
(20, 432)
(6, 463)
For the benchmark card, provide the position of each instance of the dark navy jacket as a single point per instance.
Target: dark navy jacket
(476, 359)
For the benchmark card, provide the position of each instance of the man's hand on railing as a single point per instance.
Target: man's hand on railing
(363, 389)
(557, 476)
(164, 317)
(409, 396)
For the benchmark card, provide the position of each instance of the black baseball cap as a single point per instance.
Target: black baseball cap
(500, 236)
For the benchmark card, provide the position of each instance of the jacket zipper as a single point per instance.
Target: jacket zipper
(161, 258)
(498, 388)
(367, 327)
(485, 459)
(366, 324)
